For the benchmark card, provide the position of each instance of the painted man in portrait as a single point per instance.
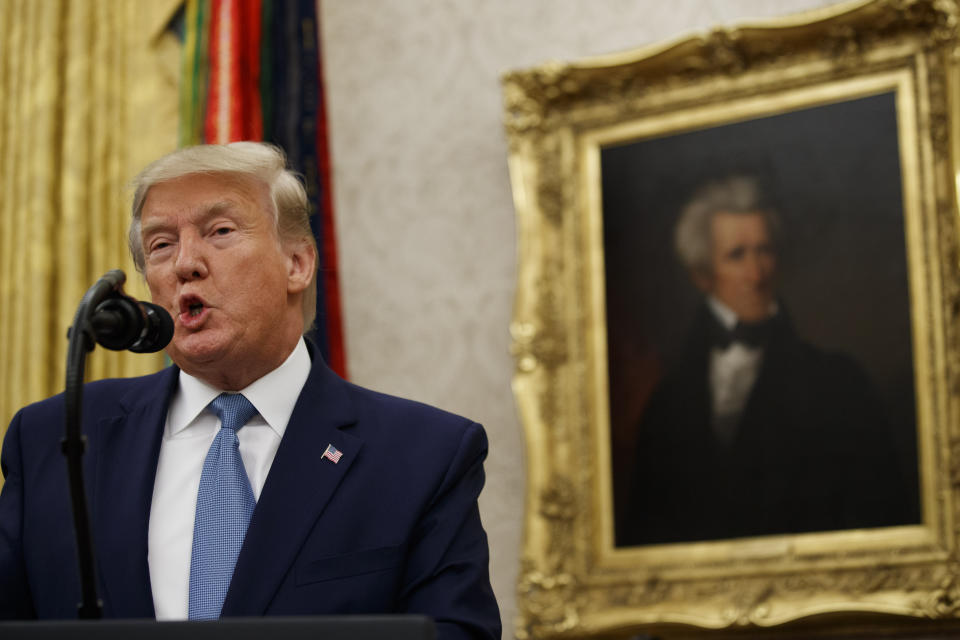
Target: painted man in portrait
(754, 431)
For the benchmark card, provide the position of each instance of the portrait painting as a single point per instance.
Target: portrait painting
(737, 328)
(823, 434)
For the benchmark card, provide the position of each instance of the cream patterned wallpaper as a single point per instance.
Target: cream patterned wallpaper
(422, 197)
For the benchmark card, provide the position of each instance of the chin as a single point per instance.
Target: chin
(194, 350)
(754, 313)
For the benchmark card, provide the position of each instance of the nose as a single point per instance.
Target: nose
(191, 262)
(757, 268)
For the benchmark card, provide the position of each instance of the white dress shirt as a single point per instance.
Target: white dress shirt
(188, 434)
(733, 372)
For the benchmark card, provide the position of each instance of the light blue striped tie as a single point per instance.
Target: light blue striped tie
(224, 505)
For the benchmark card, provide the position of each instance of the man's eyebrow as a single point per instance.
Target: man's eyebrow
(208, 212)
(153, 226)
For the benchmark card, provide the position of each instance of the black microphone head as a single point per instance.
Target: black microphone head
(158, 330)
(117, 322)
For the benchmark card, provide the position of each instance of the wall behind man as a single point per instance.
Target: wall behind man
(422, 196)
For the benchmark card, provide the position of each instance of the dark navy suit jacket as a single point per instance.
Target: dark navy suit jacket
(392, 527)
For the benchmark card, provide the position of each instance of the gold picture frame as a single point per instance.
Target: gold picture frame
(893, 59)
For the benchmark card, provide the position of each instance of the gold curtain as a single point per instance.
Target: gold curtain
(88, 96)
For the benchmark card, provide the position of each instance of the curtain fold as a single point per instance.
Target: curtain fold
(88, 94)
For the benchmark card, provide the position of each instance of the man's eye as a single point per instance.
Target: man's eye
(222, 231)
(736, 254)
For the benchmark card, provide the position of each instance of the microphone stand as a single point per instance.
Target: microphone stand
(74, 443)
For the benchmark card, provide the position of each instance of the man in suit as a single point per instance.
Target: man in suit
(248, 479)
(754, 431)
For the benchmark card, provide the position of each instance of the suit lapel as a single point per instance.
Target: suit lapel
(300, 483)
(770, 393)
(127, 447)
(695, 405)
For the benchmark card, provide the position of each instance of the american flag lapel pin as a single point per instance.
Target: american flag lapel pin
(332, 454)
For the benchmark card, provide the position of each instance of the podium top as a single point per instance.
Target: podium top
(362, 627)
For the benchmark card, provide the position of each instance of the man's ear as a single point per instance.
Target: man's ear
(301, 264)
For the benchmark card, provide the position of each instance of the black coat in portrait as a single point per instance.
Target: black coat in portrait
(812, 451)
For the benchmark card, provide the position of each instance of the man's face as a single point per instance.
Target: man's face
(743, 265)
(213, 260)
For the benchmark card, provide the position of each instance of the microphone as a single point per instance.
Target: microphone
(117, 321)
(121, 323)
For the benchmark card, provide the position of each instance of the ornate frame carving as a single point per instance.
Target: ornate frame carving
(573, 581)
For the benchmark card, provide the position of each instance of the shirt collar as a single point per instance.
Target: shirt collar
(273, 395)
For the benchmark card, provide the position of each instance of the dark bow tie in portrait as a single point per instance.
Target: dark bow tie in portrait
(751, 334)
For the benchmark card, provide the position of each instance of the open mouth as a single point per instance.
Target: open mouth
(191, 307)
